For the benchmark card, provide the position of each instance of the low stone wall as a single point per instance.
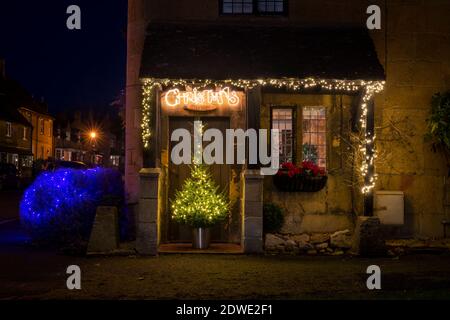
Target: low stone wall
(337, 243)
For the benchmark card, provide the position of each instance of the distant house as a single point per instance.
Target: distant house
(15, 130)
(15, 136)
(33, 124)
(42, 122)
(92, 139)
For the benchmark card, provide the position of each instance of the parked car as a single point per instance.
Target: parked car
(69, 165)
(9, 176)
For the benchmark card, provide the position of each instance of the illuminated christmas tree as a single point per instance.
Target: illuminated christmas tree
(200, 204)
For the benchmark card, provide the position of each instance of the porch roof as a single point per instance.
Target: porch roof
(221, 52)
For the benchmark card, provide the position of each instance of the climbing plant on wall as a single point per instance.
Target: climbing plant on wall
(439, 122)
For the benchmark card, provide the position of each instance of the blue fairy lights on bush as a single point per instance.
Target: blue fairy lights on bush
(59, 207)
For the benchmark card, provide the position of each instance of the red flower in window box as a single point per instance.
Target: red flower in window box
(308, 177)
(312, 169)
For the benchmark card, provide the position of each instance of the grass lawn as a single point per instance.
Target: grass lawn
(38, 275)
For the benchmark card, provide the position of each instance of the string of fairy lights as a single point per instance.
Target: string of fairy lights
(369, 89)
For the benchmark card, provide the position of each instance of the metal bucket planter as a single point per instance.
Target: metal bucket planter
(200, 238)
(299, 183)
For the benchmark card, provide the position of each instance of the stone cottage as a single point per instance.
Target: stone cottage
(356, 98)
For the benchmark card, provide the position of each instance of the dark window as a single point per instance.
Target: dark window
(283, 120)
(274, 6)
(9, 129)
(263, 7)
(237, 6)
(41, 126)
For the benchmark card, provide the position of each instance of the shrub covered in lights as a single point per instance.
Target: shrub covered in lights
(59, 207)
(199, 203)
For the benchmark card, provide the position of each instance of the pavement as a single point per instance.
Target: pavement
(31, 273)
(9, 205)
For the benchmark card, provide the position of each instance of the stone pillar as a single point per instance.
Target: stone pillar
(137, 24)
(147, 238)
(105, 231)
(368, 239)
(252, 211)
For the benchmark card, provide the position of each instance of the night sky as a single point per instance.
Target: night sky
(69, 68)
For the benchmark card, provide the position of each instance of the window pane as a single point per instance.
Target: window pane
(248, 8)
(271, 6)
(282, 119)
(261, 6)
(279, 7)
(237, 6)
(227, 8)
(314, 135)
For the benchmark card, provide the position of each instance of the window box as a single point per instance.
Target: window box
(306, 178)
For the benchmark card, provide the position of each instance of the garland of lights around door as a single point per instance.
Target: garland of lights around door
(370, 88)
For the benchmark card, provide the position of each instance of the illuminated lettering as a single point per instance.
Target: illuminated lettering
(196, 98)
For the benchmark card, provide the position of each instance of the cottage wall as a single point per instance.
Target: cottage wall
(414, 48)
(330, 209)
(416, 58)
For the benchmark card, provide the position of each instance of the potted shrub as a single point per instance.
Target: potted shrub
(200, 205)
(308, 177)
(273, 217)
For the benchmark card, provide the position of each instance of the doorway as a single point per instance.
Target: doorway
(179, 173)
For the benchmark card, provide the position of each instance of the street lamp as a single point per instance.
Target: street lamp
(93, 136)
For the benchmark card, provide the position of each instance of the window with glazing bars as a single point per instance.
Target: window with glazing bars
(283, 120)
(314, 135)
(237, 6)
(273, 6)
(253, 6)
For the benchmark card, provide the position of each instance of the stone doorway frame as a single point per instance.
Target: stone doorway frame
(148, 234)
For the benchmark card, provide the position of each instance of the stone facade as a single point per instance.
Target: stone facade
(413, 47)
(330, 209)
(416, 55)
